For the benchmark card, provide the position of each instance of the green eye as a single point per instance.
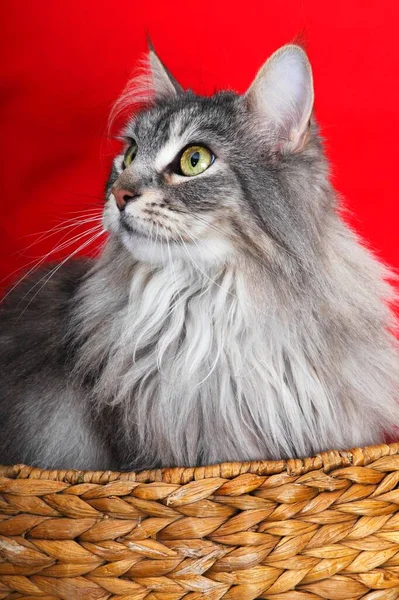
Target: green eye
(130, 154)
(195, 160)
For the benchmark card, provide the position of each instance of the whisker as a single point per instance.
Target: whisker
(58, 228)
(48, 276)
(95, 210)
(38, 263)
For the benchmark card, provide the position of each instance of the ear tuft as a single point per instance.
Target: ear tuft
(152, 81)
(164, 84)
(282, 94)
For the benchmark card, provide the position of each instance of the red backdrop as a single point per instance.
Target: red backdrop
(65, 62)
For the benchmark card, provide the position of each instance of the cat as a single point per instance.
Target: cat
(232, 314)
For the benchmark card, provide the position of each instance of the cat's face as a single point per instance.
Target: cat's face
(199, 177)
(179, 163)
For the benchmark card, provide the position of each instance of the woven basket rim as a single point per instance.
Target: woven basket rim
(325, 461)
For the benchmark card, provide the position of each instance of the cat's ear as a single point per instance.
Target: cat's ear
(165, 85)
(282, 94)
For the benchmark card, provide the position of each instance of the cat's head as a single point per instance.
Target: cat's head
(210, 178)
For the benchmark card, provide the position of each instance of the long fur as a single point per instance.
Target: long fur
(231, 316)
(218, 377)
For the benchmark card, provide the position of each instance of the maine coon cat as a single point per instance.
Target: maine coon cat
(232, 314)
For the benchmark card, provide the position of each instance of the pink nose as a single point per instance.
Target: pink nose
(122, 197)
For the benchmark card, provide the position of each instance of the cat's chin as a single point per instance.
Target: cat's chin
(143, 248)
(202, 254)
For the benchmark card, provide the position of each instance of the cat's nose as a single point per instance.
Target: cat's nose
(122, 197)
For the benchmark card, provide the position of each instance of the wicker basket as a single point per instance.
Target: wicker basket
(324, 527)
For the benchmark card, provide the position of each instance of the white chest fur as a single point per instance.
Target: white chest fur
(200, 371)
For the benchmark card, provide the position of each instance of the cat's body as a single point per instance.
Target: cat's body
(45, 419)
(243, 321)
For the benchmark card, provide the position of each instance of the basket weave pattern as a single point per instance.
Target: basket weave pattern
(326, 527)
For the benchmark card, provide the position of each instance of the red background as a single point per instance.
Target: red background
(66, 62)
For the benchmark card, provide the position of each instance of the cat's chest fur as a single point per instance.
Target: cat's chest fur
(196, 371)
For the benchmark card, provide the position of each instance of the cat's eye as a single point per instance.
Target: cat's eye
(195, 160)
(130, 154)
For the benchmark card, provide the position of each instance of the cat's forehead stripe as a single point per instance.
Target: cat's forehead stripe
(178, 139)
(168, 153)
